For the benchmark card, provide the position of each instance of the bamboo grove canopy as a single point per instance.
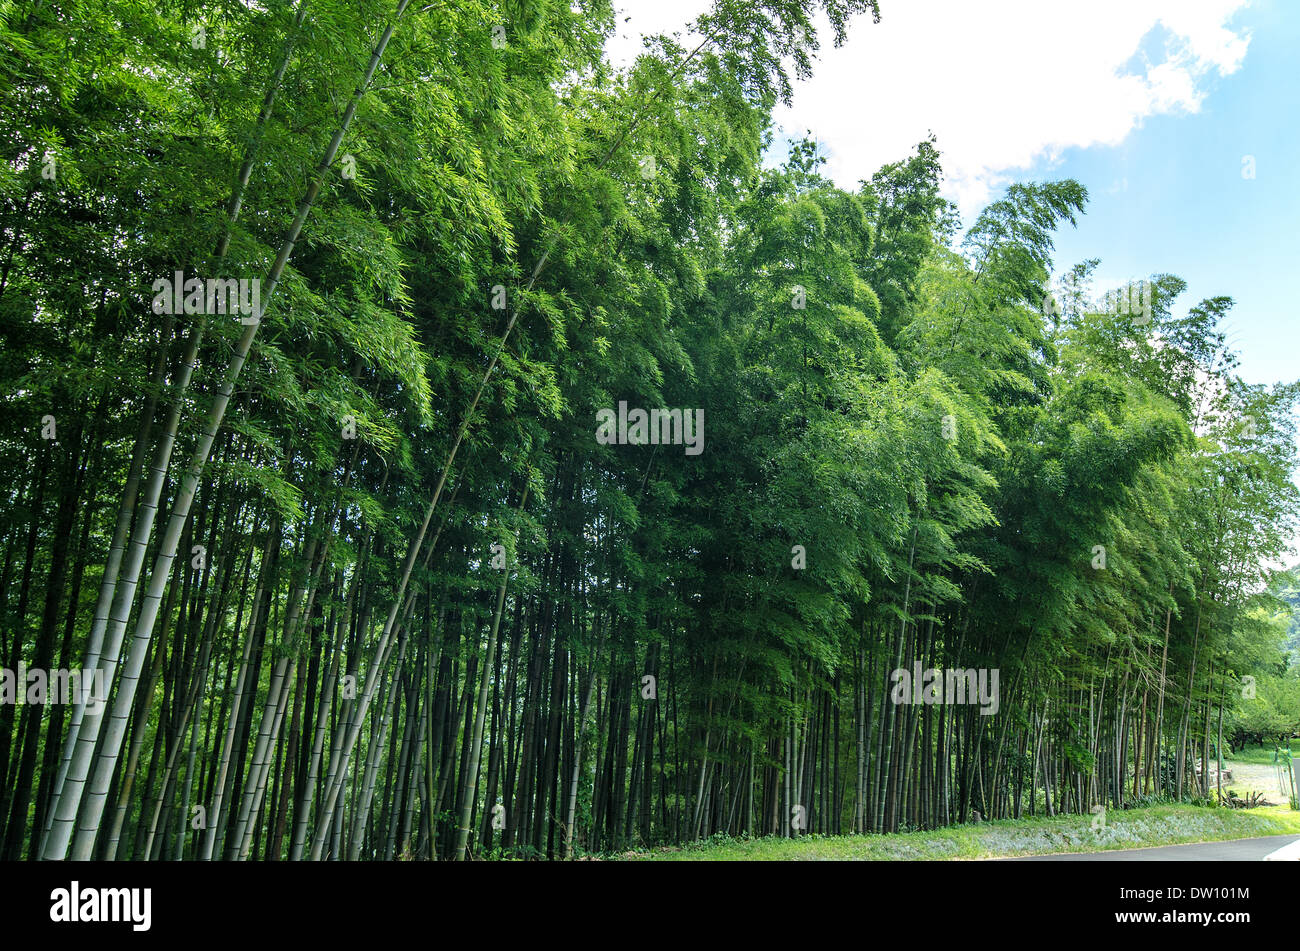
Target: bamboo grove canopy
(309, 314)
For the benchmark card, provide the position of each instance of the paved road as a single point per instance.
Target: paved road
(1235, 850)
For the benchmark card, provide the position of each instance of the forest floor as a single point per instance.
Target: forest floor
(1252, 770)
(1158, 825)
(1253, 777)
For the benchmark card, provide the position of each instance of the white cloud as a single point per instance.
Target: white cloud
(1003, 84)
(638, 18)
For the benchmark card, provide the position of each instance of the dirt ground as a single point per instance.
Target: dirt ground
(1252, 777)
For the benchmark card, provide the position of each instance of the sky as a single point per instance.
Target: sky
(1180, 117)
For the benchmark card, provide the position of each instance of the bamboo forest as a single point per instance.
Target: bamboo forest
(425, 437)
